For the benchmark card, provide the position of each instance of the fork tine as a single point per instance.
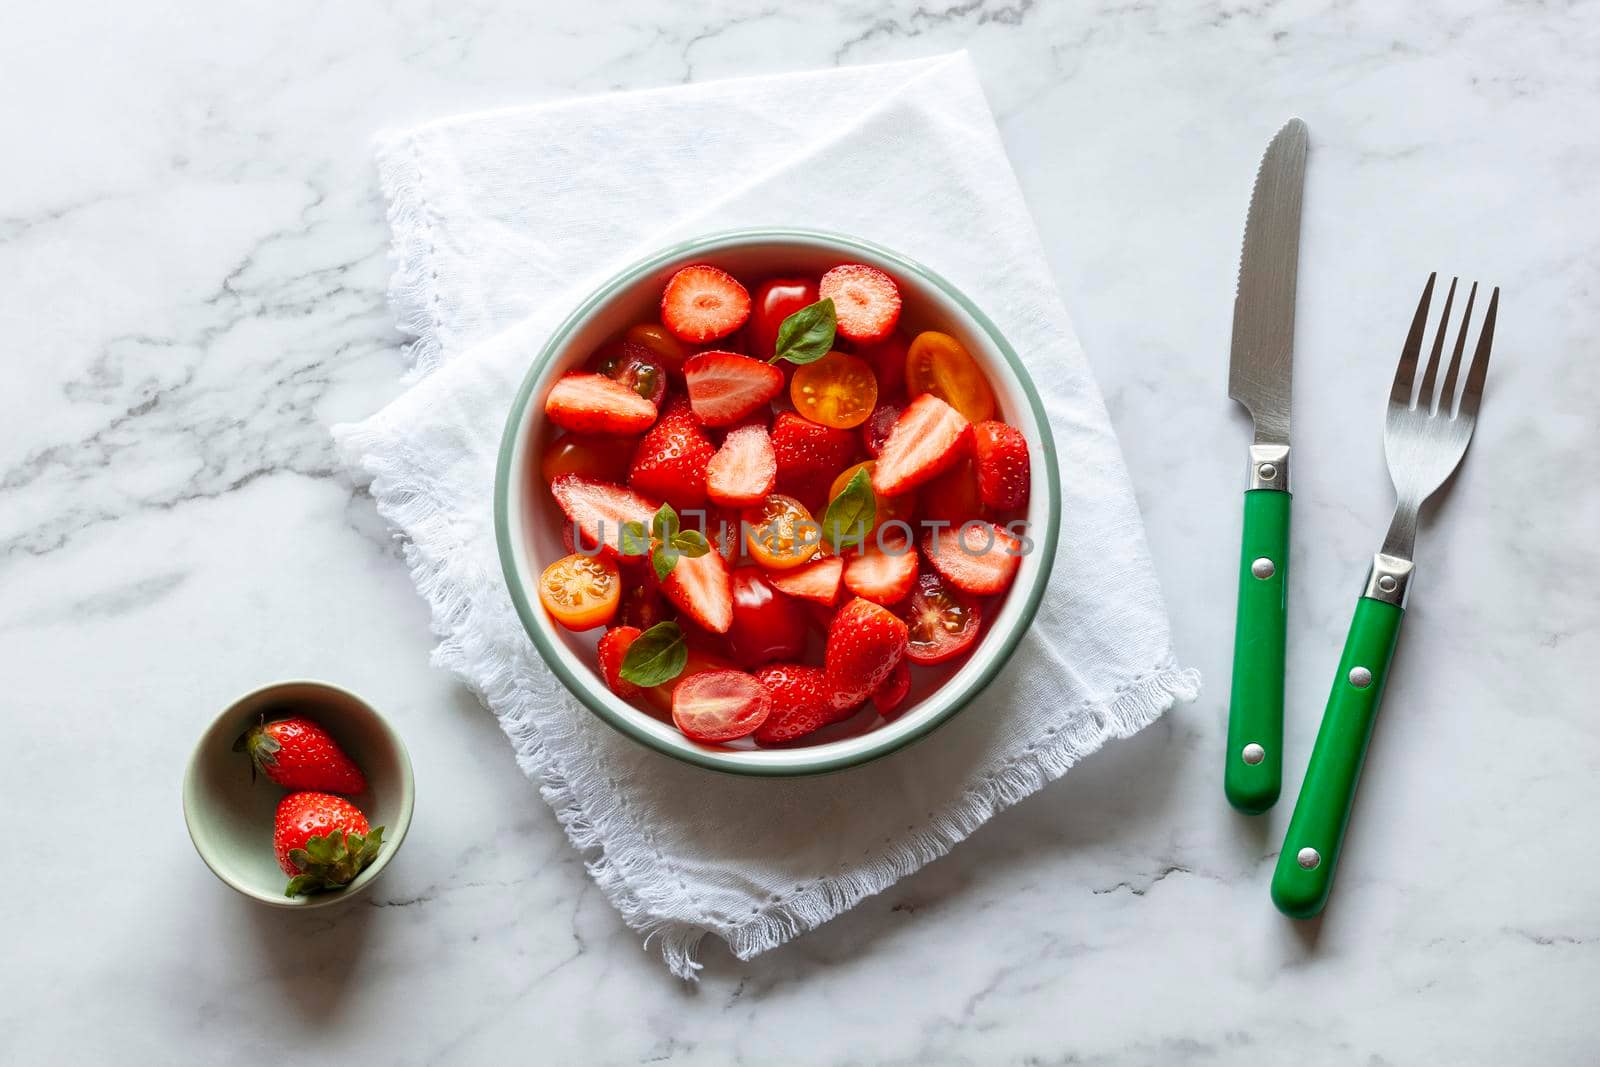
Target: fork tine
(1405, 373)
(1473, 392)
(1425, 394)
(1447, 394)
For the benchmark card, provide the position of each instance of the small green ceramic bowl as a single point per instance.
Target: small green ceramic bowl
(230, 817)
(528, 524)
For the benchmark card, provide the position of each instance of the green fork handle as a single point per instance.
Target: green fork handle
(1253, 774)
(1304, 875)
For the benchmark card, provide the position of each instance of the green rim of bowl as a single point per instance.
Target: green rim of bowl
(528, 612)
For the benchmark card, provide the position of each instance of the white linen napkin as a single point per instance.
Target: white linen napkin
(502, 222)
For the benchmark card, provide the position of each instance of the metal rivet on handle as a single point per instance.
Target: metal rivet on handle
(1387, 583)
(1263, 568)
(1309, 858)
(1268, 471)
(1253, 754)
(1360, 677)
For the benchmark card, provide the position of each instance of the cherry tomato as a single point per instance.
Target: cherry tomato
(603, 458)
(772, 302)
(942, 623)
(875, 431)
(700, 661)
(781, 533)
(936, 363)
(887, 358)
(838, 390)
(766, 626)
(643, 606)
(581, 592)
(888, 507)
(635, 366)
(658, 339)
(718, 706)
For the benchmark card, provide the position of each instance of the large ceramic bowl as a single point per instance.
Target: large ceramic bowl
(528, 523)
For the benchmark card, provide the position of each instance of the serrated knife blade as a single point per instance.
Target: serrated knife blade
(1259, 371)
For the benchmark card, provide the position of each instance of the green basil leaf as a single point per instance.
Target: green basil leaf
(691, 543)
(665, 524)
(850, 515)
(634, 540)
(807, 335)
(657, 655)
(663, 559)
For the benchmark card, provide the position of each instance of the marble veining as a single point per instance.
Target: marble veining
(192, 248)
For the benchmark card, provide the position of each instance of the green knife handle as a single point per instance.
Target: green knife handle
(1255, 710)
(1304, 874)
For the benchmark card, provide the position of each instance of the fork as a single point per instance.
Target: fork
(1425, 434)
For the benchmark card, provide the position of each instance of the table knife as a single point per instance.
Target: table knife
(1258, 377)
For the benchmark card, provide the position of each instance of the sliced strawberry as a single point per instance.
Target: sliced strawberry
(892, 693)
(810, 456)
(941, 622)
(744, 470)
(702, 589)
(978, 558)
(597, 510)
(1000, 453)
(613, 646)
(864, 643)
(800, 704)
(883, 574)
(671, 460)
(866, 302)
(888, 361)
(724, 387)
(928, 439)
(952, 497)
(875, 431)
(593, 403)
(702, 303)
(817, 582)
(716, 706)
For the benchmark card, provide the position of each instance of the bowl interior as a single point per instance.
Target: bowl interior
(230, 817)
(530, 523)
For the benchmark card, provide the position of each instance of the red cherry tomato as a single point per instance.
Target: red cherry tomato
(601, 457)
(941, 622)
(634, 365)
(887, 358)
(700, 661)
(766, 624)
(718, 706)
(659, 340)
(772, 302)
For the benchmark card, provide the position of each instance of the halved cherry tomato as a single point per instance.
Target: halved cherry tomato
(634, 365)
(718, 706)
(601, 457)
(581, 592)
(700, 661)
(936, 363)
(781, 533)
(771, 303)
(658, 339)
(888, 507)
(838, 390)
(941, 622)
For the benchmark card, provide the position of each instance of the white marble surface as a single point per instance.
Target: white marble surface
(192, 259)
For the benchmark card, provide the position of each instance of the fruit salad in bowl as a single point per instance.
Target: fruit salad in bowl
(776, 502)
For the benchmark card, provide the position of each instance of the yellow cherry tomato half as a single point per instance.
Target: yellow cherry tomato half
(780, 533)
(581, 592)
(936, 363)
(838, 390)
(887, 507)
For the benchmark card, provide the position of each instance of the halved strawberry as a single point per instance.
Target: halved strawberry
(613, 646)
(671, 460)
(593, 403)
(866, 302)
(702, 303)
(875, 431)
(800, 704)
(978, 558)
(744, 469)
(952, 497)
(724, 387)
(865, 641)
(597, 510)
(817, 582)
(809, 456)
(892, 693)
(928, 439)
(702, 589)
(719, 706)
(1001, 457)
(883, 574)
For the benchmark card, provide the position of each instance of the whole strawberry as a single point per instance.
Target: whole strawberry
(865, 642)
(322, 842)
(671, 460)
(298, 754)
